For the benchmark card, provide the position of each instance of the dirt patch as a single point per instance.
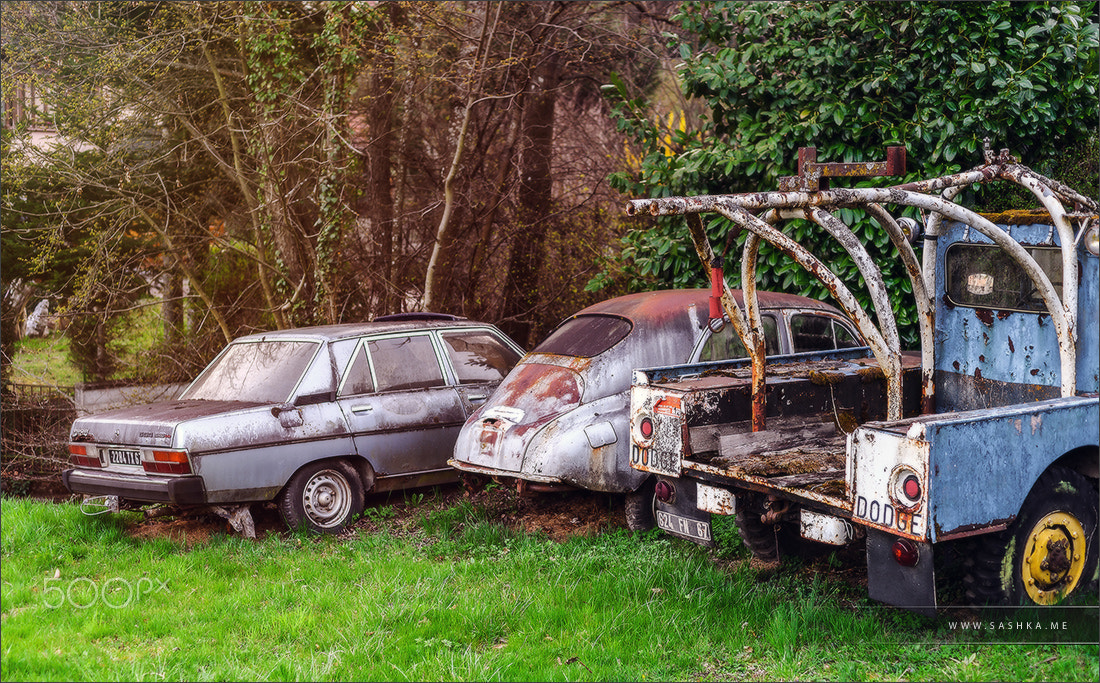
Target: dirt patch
(558, 515)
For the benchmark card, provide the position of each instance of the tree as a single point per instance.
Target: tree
(281, 164)
(850, 79)
(219, 136)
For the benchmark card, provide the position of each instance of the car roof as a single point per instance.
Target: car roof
(345, 330)
(662, 304)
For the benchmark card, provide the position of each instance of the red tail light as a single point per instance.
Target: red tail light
(906, 552)
(663, 491)
(168, 462)
(646, 427)
(911, 487)
(78, 455)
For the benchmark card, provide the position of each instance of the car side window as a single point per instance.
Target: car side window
(478, 356)
(819, 333)
(357, 379)
(405, 363)
(726, 344)
(844, 337)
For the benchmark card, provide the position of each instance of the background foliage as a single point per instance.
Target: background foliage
(266, 165)
(851, 78)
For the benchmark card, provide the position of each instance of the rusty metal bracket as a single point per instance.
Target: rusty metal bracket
(813, 176)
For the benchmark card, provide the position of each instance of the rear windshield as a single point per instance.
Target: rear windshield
(586, 336)
(264, 371)
(985, 276)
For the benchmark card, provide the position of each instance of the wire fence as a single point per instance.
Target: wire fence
(34, 433)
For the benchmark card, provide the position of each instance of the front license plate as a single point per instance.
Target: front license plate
(121, 457)
(684, 526)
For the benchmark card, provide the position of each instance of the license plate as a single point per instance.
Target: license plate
(684, 526)
(121, 457)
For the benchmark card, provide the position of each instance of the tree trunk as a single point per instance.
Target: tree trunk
(535, 195)
(433, 281)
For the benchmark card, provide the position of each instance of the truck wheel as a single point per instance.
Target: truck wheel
(322, 497)
(640, 505)
(770, 542)
(1048, 553)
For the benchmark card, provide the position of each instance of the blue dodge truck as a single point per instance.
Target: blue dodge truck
(984, 441)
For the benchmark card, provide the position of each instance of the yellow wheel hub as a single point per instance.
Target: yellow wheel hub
(1054, 558)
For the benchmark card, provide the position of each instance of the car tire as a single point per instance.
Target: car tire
(323, 497)
(772, 542)
(640, 507)
(1048, 553)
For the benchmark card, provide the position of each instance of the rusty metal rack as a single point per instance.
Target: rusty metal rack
(808, 196)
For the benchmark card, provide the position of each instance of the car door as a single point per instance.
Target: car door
(479, 360)
(403, 414)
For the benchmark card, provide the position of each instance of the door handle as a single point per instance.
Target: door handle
(477, 397)
(362, 409)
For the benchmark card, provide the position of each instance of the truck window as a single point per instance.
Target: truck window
(726, 344)
(985, 276)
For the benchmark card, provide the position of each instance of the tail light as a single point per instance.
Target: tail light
(167, 462)
(79, 456)
(663, 491)
(906, 488)
(906, 552)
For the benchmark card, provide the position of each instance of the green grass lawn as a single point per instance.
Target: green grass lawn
(45, 361)
(450, 593)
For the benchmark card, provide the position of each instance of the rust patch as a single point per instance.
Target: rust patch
(985, 315)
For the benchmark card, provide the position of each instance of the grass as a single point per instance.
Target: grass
(44, 361)
(453, 595)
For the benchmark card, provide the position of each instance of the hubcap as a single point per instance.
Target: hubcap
(327, 499)
(1053, 558)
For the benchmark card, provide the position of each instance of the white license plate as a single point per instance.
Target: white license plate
(683, 526)
(121, 457)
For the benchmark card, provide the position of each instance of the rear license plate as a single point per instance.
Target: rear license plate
(121, 457)
(684, 526)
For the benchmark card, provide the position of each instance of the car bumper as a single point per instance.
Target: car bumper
(523, 481)
(177, 490)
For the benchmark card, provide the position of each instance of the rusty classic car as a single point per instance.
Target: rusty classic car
(312, 418)
(560, 419)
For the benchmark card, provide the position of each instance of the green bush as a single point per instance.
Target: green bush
(851, 79)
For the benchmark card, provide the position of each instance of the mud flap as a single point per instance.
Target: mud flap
(913, 588)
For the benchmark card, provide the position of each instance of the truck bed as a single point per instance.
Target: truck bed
(812, 405)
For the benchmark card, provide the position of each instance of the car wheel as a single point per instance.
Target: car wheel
(322, 497)
(640, 507)
(1049, 551)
